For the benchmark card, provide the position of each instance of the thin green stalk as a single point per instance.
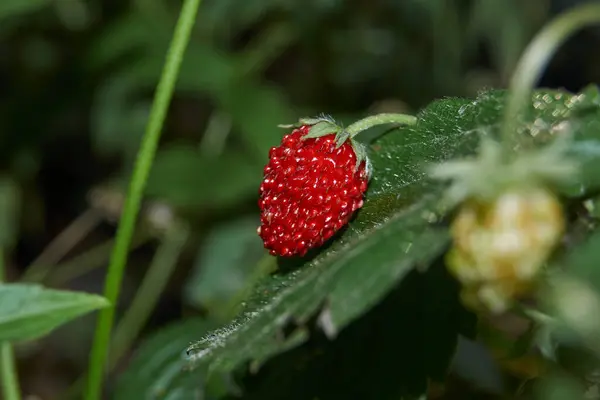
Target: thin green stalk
(145, 157)
(535, 58)
(156, 278)
(146, 297)
(380, 119)
(10, 380)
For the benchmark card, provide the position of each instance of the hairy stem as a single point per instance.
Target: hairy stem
(380, 119)
(535, 58)
(145, 157)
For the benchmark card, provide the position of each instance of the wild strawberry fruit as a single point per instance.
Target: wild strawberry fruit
(313, 184)
(508, 220)
(500, 245)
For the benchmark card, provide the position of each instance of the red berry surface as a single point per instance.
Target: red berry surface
(310, 190)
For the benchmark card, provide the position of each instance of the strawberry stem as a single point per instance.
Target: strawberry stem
(379, 119)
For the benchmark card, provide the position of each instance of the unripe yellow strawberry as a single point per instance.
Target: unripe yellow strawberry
(501, 244)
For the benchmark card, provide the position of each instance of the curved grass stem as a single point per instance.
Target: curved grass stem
(535, 58)
(145, 157)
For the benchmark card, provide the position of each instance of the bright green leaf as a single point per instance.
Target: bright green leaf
(29, 312)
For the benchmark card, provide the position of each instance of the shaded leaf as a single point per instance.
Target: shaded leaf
(184, 177)
(224, 265)
(559, 386)
(118, 122)
(158, 369)
(377, 356)
(30, 311)
(13, 8)
(255, 108)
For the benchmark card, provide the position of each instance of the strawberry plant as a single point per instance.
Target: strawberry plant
(381, 253)
(422, 263)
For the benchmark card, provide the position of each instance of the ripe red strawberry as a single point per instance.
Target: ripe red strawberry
(311, 189)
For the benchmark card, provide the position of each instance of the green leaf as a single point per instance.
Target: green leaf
(30, 311)
(378, 356)
(394, 231)
(184, 177)
(583, 260)
(224, 265)
(391, 235)
(257, 110)
(118, 123)
(559, 386)
(158, 369)
(13, 8)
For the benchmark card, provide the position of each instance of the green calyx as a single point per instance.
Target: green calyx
(491, 172)
(325, 125)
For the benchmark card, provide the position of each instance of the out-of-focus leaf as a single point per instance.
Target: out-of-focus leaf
(256, 111)
(183, 177)
(582, 261)
(560, 387)
(118, 123)
(392, 232)
(133, 33)
(13, 8)
(9, 212)
(158, 369)
(224, 265)
(31, 311)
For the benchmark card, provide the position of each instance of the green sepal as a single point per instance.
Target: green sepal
(341, 138)
(309, 121)
(360, 150)
(321, 129)
(491, 172)
(324, 125)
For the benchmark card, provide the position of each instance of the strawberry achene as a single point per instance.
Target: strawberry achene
(310, 191)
